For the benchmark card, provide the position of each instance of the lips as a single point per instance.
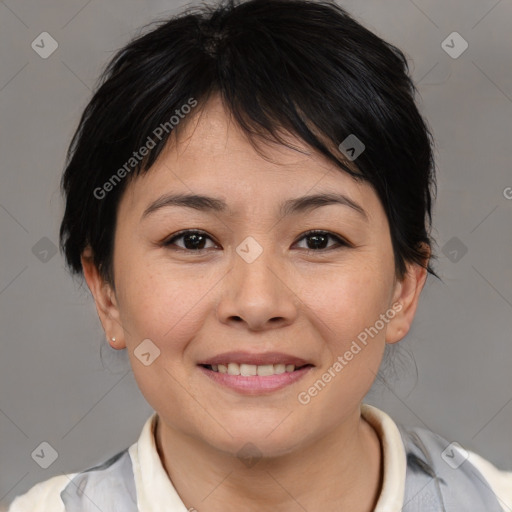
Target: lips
(255, 374)
(262, 359)
(250, 370)
(255, 384)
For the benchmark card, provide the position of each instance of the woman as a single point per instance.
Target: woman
(248, 196)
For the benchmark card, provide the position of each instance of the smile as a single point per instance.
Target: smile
(250, 379)
(250, 370)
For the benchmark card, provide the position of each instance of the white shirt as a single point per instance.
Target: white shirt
(154, 487)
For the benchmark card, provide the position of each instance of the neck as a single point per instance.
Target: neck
(340, 471)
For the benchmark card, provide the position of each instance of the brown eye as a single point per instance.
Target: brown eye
(192, 240)
(195, 241)
(318, 240)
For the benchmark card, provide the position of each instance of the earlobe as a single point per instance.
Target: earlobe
(104, 298)
(407, 294)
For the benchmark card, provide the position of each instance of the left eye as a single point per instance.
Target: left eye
(319, 238)
(195, 240)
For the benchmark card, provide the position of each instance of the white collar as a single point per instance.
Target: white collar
(155, 488)
(392, 493)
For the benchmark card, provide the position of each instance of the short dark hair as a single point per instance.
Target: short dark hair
(305, 67)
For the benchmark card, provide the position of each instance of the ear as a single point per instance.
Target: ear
(405, 301)
(105, 300)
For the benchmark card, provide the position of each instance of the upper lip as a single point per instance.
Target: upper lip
(256, 359)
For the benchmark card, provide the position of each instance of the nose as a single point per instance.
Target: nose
(258, 295)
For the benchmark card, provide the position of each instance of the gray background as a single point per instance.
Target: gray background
(53, 385)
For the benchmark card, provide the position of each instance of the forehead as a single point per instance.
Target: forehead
(214, 156)
(213, 136)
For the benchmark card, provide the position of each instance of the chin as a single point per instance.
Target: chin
(255, 442)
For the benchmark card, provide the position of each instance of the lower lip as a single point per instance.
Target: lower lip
(256, 384)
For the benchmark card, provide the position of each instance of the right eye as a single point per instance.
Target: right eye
(193, 240)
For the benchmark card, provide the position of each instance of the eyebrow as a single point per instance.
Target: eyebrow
(290, 207)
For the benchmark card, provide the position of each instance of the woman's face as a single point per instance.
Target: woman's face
(255, 285)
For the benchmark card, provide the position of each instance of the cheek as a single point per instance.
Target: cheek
(347, 312)
(157, 307)
(169, 314)
(348, 301)
(344, 312)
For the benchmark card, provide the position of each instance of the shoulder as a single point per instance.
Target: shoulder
(111, 480)
(499, 480)
(43, 497)
(461, 475)
(65, 492)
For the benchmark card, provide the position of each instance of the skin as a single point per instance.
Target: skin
(195, 305)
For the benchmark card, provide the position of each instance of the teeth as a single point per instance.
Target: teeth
(279, 368)
(249, 370)
(233, 369)
(266, 369)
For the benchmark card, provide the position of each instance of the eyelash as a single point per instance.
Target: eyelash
(341, 242)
